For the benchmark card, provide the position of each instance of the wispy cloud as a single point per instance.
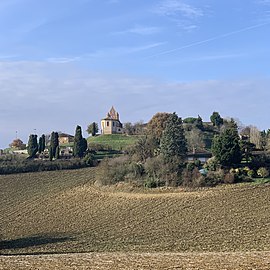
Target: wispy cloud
(197, 43)
(104, 53)
(264, 2)
(181, 13)
(214, 57)
(264, 12)
(118, 51)
(178, 7)
(140, 30)
(62, 60)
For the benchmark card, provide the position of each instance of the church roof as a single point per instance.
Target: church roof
(112, 115)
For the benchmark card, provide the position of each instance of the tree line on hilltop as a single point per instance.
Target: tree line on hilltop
(159, 157)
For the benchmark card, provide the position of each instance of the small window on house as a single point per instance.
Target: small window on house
(113, 123)
(108, 123)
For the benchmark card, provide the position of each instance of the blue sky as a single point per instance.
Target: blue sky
(64, 63)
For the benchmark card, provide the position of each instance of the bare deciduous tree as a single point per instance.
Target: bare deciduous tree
(195, 139)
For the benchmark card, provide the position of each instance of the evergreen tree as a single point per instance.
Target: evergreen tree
(57, 152)
(216, 119)
(226, 146)
(32, 147)
(50, 153)
(92, 129)
(54, 143)
(173, 142)
(199, 123)
(41, 144)
(80, 143)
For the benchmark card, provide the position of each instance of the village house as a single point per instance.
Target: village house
(202, 156)
(111, 123)
(65, 138)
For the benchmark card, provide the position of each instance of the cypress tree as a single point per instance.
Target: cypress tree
(173, 142)
(32, 147)
(199, 123)
(80, 143)
(50, 153)
(57, 152)
(54, 143)
(41, 144)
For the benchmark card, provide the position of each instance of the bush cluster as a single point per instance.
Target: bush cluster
(154, 172)
(99, 147)
(30, 165)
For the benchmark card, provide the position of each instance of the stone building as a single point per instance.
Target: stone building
(111, 123)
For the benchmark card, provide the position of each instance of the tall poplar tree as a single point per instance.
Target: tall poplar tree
(173, 142)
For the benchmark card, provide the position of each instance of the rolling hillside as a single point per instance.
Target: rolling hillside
(62, 212)
(114, 141)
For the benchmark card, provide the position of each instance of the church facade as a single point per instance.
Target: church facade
(111, 123)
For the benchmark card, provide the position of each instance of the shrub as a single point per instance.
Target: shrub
(137, 169)
(190, 176)
(198, 163)
(40, 165)
(251, 173)
(190, 166)
(260, 161)
(113, 170)
(211, 164)
(89, 159)
(153, 167)
(214, 178)
(263, 172)
(99, 147)
(229, 178)
(164, 173)
(150, 183)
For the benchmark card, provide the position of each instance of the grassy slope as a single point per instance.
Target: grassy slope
(54, 212)
(115, 141)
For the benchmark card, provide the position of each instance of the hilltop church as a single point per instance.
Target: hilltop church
(111, 123)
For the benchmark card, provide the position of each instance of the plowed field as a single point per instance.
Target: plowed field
(64, 212)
